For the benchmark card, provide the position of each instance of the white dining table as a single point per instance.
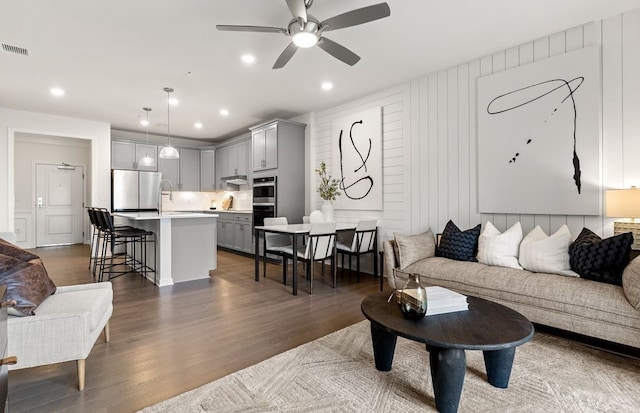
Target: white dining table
(295, 231)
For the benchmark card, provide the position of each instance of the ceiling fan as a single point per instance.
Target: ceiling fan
(307, 31)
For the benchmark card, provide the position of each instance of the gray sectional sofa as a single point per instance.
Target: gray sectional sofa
(574, 304)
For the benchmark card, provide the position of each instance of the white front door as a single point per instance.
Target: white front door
(59, 204)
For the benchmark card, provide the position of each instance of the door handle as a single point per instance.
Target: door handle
(40, 202)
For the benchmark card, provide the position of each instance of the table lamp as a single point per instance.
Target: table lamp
(625, 203)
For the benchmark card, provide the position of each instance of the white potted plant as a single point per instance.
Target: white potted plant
(328, 190)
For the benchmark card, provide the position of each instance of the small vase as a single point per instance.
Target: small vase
(413, 299)
(327, 210)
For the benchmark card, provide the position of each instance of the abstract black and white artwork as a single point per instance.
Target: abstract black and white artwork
(539, 137)
(357, 159)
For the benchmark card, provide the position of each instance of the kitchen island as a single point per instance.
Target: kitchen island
(186, 243)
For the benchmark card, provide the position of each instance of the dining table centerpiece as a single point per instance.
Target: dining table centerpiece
(329, 190)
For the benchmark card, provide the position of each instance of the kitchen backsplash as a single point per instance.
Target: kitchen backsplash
(202, 201)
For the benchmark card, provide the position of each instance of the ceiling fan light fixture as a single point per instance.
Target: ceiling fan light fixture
(305, 39)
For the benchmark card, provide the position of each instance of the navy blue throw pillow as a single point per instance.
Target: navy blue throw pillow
(458, 245)
(600, 259)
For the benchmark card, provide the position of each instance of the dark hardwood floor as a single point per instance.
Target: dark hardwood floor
(165, 341)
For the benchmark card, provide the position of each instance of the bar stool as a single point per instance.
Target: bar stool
(126, 237)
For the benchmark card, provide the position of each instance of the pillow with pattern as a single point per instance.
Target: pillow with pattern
(458, 245)
(600, 259)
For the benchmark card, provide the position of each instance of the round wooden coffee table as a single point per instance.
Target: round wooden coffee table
(493, 328)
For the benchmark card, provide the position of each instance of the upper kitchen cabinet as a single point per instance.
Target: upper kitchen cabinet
(207, 170)
(189, 170)
(125, 155)
(170, 169)
(267, 137)
(232, 161)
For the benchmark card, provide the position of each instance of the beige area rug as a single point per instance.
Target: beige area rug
(336, 373)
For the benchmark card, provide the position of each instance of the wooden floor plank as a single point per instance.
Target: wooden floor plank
(165, 341)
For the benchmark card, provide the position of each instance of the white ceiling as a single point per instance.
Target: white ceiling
(114, 57)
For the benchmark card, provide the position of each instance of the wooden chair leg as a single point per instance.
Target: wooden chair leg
(107, 333)
(81, 364)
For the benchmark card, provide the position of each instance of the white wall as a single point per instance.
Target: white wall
(430, 134)
(15, 121)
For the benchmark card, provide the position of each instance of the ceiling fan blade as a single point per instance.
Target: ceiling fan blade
(285, 56)
(261, 29)
(298, 9)
(338, 51)
(357, 16)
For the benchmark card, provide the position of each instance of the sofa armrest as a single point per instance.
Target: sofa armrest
(390, 261)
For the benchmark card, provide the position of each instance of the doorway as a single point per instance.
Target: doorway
(59, 196)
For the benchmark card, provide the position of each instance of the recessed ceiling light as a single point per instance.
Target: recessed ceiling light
(198, 125)
(55, 91)
(173, 101)
(224, 112)
(144, 122)
(247, 58)
(327, 85)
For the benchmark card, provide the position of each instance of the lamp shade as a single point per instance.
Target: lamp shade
(623, 203)
(169, 152)
(146, 160)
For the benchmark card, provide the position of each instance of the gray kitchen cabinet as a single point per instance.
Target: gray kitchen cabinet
(232, 160)
(189, 170)
(225, 230)
(207, 170)
(125, 155)
(170, 169)
(235, 231)
(243, 237)
(265, 147)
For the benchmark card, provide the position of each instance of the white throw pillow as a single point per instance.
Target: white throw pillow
(501, 249)
(549, 254)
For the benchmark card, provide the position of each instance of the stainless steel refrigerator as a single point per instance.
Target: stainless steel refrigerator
(133, 191)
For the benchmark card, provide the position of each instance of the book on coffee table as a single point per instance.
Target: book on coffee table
(441, 300)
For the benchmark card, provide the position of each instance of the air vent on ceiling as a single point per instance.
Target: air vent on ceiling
(15, 49)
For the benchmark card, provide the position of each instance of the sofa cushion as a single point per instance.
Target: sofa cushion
(458, 245)
(540, 252)
(600, 259)
(412, 248)
(28, 284)
(631, 283)
(500, 248)
(7, 248)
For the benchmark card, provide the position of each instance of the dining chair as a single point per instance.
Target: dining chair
(275, 243)
(362, 242)
(320, 246)
(306, 219)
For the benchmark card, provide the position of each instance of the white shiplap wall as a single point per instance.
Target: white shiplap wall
(430, 134)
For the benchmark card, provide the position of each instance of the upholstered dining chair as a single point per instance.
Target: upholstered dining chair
(363, 241)
(275, 243)
(320, 246)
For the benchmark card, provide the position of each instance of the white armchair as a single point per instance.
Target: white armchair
(65, 327)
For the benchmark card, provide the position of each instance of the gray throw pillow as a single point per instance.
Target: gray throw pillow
(413, 248)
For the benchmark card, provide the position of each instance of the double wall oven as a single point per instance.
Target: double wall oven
(265, 193)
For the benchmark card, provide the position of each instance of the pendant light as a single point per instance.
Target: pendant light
(168, 152)
(146, 160)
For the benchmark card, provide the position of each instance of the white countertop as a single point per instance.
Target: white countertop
(141, 216)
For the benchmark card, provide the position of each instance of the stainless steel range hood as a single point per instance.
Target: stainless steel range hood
(235, 179)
